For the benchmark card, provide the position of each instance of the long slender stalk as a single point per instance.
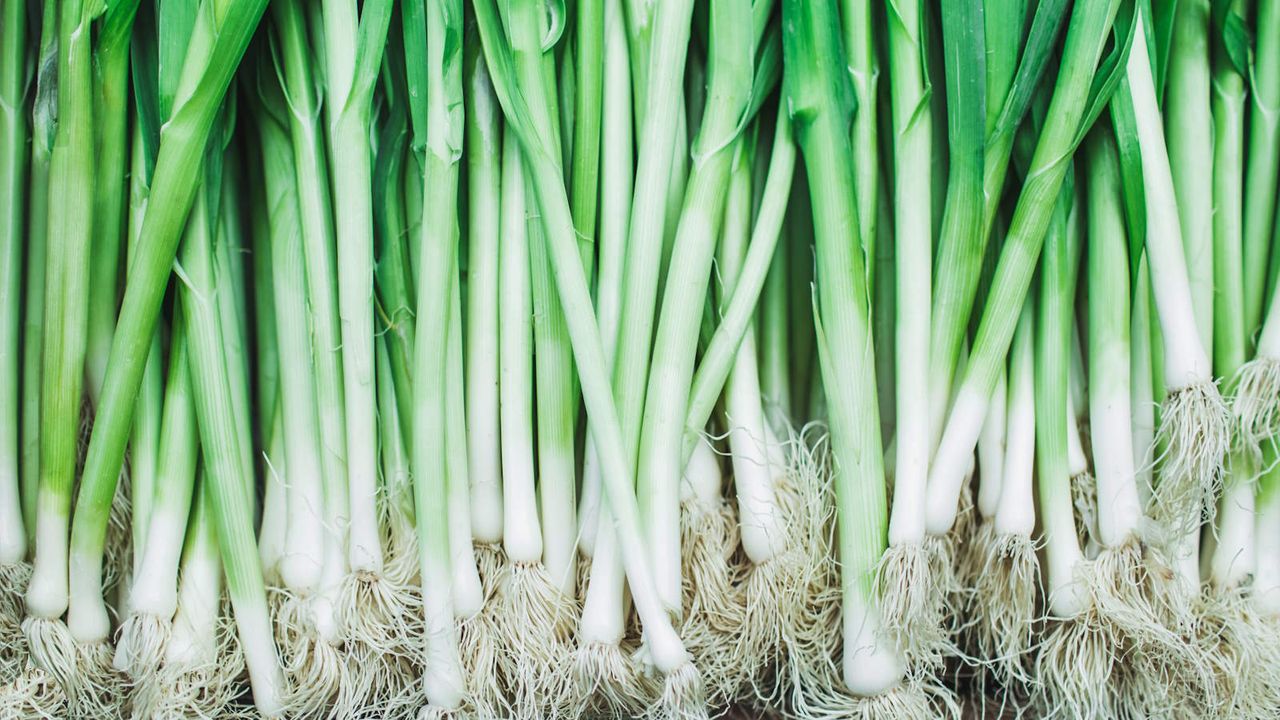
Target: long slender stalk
(153, 597)
(316, 221)
(44, 111)
(441, 143)
(111, 115)
(1194, 423)
(66, 309)
(484, 197)
(1189, 125)
(1064, 592)
(300, 567)
(223, 446)
(1262, 172)
(556, 404)
(616, 178)
(859, 35)
(354, 40)
(1111, 419)
(13, 179)
(820, 100)
(913, 264)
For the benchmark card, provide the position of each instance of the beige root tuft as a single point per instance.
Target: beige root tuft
(1004, 610)
(534, 625)
(714, 605)
(1076, 659)
(1256, 399)
(1196, 430)
(140, 644)
(608, 682)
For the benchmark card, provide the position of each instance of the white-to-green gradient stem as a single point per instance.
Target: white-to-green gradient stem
(913, 265)
(1188, 124)
(70, 232)
(616, 176)
(223, 446)
(354, 39)
(1110, 394)
(484, 200)
(155, 586)
(1262, 171)
(1016, 511)
(13, 187)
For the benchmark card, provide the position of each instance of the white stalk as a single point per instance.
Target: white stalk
(1186, 362)
(1234, 559)
(1077, 461)
(1111, 433)
(991, 449)
(604, 609)
(46, 596)
(871, 666)
(1142, 388)
(522, 536)
(272, 538)
(760, 519)
(954, 457)
(1266, 576)
(193, 642)
(484, 459)
(468, 595)
(1016, 514)
(913, 248)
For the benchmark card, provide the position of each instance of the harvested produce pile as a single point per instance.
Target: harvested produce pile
(882, 359)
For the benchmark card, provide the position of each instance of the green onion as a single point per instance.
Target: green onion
(224, 447)
(1189, 125)
(820, 101)
(13, 182)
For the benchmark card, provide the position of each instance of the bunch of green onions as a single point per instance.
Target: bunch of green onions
(787, 358)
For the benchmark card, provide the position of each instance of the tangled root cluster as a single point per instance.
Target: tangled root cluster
(1196, 428)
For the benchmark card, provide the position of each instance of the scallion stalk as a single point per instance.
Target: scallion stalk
(13, 186)
(437, 129)
(820, 100)
(1189, 125)
(153, 596)
(484, 199)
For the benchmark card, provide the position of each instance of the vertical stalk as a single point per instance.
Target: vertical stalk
(13, 172)
(1189, 125)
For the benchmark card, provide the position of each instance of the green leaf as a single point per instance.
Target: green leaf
(145, 68)
(1160, 38)
(555, 24)
(1111, 69)
(1132, 188)
(175, 21)
(1234, 34)
(1041, 41)
(964, 44)
(375, 21)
